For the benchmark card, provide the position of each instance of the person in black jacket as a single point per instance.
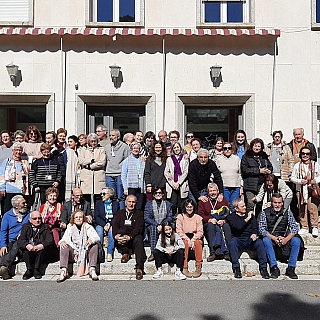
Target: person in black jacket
(35, 241)
(202, 171)
(254, 166)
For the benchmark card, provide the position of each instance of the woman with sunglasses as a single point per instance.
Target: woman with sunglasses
(189, 136)
(306, 176)
(229, 166)
(104, 212)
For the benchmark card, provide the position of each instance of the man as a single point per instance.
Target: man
(117, 151)
(6, 146)
(102, 132)
(35, 241)
(77, 202)
(273, 225)
(202, 171)
(138, 137)
(244, 230)
(163, 136)
(11, 226)
(127, 232)
(213, 213)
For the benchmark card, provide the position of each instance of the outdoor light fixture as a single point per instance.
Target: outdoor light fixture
(115, 71)
(13, 71)
(215, 73)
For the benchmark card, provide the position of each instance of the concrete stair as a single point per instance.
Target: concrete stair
(309, 266)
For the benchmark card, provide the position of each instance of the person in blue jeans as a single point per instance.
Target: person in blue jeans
(279, 228)
(104, 213)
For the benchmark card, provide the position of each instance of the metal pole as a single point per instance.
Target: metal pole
(164, 63)
(273, 84)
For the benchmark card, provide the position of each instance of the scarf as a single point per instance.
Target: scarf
(177, 168)
(79, 240)
(308, 175)
(159, 212)
(51, 215)
(108, 210)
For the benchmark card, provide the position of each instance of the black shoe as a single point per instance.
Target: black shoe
(290, 272)
(27, 275)
(237, 273)
(274, 272)
(151, 257)
(226, 257)
(171, 264)
(212, 257)
(264, 273)
(37, 274)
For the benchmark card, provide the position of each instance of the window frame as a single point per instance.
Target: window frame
(28, 23)
(91, 15)
(314, 24)
(248, 14)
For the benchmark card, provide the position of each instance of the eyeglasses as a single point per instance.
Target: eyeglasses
(305, 153)
(173, 137)
(77, 195)
(39, 218)
(159, 192)
(189, 137)
(277, 137)
(78, 218)
(32, 134)
(227, 148)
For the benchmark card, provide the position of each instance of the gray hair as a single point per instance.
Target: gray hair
(16, 199)
(110, 191)
(19, 132)
(117, 131)
(102, 127)
(17, 145)
(202, 150)
(92, 135)
(212, 185)
(236, 202)
(298, 129)
(135, 144)
(127, 135)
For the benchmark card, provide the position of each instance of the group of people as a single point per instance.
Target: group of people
(61, 199)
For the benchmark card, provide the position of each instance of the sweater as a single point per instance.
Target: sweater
(240, 228)
(185, 224)
(154, 174)
(230, 170)
(204, 208)
(178, 244)
(115, 157)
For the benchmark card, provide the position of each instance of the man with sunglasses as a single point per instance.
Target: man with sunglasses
(76, 203)
(11, 226)
(35, 241)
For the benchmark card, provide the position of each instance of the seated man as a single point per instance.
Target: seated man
(273, 225)
(213, 212)
(244, 230)
(127, 232)
(75, 204)
(35, 241)
(11, 226)
(156, 212)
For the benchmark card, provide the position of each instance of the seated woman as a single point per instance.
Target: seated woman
(169, 249)
(190, 229)
(79, 244)
(104, 212)
(156, 212)
(51, 211)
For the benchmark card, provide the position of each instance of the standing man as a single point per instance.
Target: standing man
(202, 171)
(11, 226)
(102, 132)
(273, 225)
(117, 151)
(163, 136)
(138, 137)
(127, 232)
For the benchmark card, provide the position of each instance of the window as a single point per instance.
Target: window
(315, 14)
(117, 12)
(16, 12)
(224, 12)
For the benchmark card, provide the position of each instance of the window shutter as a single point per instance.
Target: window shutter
(14, 10)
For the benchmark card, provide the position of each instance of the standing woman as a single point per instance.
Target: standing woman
(82, 138)
(196, 145)
(92, 175)
(306, 176)
(217, 151)
(33, 143)
(132, 174)
(176, 173)
(61, 138)
(240, 144)
(255, 165)
(229, 166)
(154, 169)
(189, 136)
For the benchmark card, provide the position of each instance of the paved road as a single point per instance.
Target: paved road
(160, 300)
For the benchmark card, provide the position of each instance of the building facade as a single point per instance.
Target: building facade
(269, 53)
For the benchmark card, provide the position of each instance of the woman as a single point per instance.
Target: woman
(217, 151)
(169, 249)
(79, 244)
(31, 146)
(148, 139)
(128, 138)
(272, 184)
(61, 138)
(82, 138)
(154, 169)
(19, 136)
(6, 147)
(255, 165)
(51, 211)
(104, 212)
(196, 145)
(229, 166)
(306, 176)
(189, 136)
(176, 173)
(92, 175)
(51, 141)
(132, 174)
(190, 229)
(240, 144)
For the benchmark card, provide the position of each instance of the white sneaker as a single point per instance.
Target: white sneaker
(315, 232)
(303, 231)
(179, 275)
(93, 274)
(158, 274)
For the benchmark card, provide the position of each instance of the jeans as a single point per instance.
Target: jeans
(202, 192)
(230, 194)
(116, 184)
(100, 232)
(295, 247)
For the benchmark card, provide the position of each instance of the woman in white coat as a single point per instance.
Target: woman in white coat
(176, 173)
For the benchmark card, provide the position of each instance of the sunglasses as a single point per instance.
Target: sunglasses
(305, 153)
(158, 192)
(189, 137)
(227, 148)
(103, 194)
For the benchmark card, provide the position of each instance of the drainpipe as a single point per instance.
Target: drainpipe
(63, 80)
(273, 83)
(164, 65)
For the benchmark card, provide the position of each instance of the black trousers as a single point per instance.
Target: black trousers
(33, 259)
(162, 257)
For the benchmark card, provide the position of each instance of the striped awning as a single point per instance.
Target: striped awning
(137, 32)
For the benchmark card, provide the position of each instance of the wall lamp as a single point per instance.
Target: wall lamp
(215, 74)
(13, 72)
(115, 73)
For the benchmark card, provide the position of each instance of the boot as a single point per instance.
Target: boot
(290, 272)
(186, 272)
(198, 272)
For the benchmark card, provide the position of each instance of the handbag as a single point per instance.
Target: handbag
(101, 253)
(315, 189)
